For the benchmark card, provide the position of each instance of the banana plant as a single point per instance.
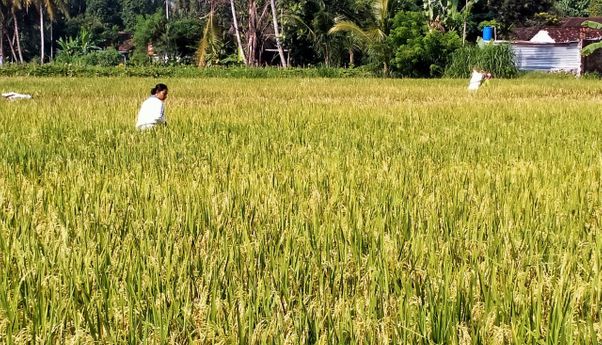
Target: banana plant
(80, 45)
(442, 11)
(590, 49)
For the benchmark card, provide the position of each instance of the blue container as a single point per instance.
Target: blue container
(487, 33)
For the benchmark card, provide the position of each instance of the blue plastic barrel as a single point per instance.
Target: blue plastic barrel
(487, 33)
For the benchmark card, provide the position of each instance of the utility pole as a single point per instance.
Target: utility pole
(167, 9)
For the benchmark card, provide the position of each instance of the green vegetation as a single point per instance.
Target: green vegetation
(162, 71)
(406, 38)
(497, 59)
(302, 211)
(420, 51)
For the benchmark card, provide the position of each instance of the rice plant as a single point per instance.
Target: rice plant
(314, 211)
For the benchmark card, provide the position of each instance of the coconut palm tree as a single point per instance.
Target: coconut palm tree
(52, 7)
(209, 44)
(12, 7)
(5, 12)
(372, 37)
(241, 52)
(2, 21)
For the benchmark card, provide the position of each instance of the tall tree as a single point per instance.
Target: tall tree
(2, 21)
(107, 11)
(241, 53)
(7, 14)
(595, 8)
(15, 5)
(450, 14)
(307, 24)
(277, 34)
(516, 12)
(254, 25)
(374, 36)
(572, 8)
(131, 9)
(210, 40)
(51, 7)
(251, 36)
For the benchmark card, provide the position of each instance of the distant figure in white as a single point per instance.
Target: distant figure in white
(152, 111)
(477, 78)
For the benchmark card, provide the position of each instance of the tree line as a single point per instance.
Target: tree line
(404, 37)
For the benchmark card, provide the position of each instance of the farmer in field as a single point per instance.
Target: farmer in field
(152, 111)
(477, 79)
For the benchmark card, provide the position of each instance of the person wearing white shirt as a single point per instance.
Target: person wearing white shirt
(152, 111)
(476, 79)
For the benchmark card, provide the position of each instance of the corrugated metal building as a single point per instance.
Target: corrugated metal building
(548, 57)
(554, 49)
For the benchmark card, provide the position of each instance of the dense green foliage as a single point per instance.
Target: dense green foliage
(304, 27)
(496, 59)
(518, 11)
(595, 8)
(420, 51)
(302, 211)
(78, 69)
(572, 8)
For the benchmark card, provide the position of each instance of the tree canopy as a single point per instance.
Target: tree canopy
(310, 32)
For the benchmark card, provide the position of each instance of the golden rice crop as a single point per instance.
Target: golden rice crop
(287, 211)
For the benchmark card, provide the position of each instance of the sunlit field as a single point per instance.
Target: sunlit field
(302, 211)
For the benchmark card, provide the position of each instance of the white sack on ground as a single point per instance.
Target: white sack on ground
(13, 96)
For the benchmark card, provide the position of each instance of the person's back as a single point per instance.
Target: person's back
(475, 80)
(152, 110)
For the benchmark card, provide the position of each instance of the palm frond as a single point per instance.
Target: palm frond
(349, 27)
(208, 41)
(383, 10)
(376, 35)
(297, 19)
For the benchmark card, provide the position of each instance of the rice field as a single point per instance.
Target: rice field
(302, 211)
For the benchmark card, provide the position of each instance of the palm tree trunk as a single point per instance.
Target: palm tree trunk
(241, 52)
(42, 47)
(2, 41)
(277, 34)
(51, 42)
(351, 58)
(252, 34)
(10, 45)
(16, 36)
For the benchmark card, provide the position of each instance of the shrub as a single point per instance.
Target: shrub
(499, 60)
(154, 71)
(418, 50)
(105, 58)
